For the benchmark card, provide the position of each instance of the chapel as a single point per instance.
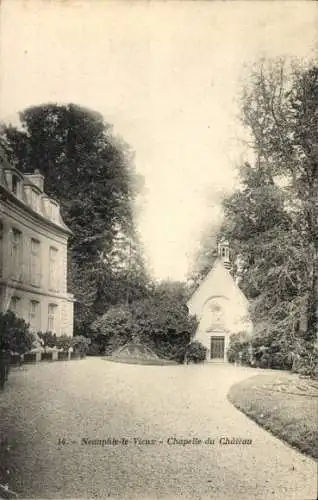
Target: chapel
(220, 307)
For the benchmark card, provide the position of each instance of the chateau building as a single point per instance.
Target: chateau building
(220, 307)
(33, 253)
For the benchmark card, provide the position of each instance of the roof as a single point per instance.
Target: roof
(217, 283)
(22, 202)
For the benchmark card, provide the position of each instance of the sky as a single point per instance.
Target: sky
(167, 75)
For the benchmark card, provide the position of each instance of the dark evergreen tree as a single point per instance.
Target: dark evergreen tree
(91, 173)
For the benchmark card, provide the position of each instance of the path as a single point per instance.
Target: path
(94, 399)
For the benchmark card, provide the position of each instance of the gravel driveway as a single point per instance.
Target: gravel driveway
(143, 432)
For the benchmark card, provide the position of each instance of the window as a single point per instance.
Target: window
(34, 318)
(35, 263)
(15, 305)
(53, 275)
(15, 185)
(51, 323)
(48, 209)
(35, 200)
(53, 211)
(16, 254)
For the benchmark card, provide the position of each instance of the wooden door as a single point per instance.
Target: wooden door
(217, 347)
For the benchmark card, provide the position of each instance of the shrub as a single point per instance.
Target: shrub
(113, 329)
(63, 342)
(196, 352)
(163, 325)
(281, 360)
(95, 349)
(14, 333)
(264, 361)
(233, 352)
(305, 358)
(49, 339)
(80, 344)
(239, 350)
(276, 350)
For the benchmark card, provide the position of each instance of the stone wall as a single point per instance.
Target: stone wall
(49, 286)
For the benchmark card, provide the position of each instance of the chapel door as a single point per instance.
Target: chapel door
(217, 347)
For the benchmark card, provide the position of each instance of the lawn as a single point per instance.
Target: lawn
(284, 404)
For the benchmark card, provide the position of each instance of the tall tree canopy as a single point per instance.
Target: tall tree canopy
(204, 256)
(271, 221)
(90, 172)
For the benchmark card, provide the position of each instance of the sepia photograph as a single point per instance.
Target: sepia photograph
(159, 249)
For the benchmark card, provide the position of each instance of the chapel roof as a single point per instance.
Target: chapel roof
(217, 283)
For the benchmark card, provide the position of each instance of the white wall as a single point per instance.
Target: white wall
(18, 282)
(220, 307)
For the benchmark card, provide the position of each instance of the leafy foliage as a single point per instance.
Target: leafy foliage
(160, 321)
(204, 257)
(279, 109)
(276, 351)
(113, 329)
(271, 221)
(79, 343)
(239, 350)
(196, 352)
(14, 333)
(90, 172)
(305, 358)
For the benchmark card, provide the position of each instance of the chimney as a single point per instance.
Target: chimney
(37, 178)
(224, 253)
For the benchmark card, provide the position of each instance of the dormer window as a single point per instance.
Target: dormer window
(53, 211)
(35, 200)
(16, 185)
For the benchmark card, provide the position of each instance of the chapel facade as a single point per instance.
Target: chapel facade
(220, 307)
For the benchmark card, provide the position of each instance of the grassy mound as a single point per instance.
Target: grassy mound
(137, 354)
(139, 361)
(284, 404)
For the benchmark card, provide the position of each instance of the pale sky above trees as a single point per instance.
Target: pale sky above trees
(167, 75)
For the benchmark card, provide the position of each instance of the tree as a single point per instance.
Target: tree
(171, 291)
(125, 278)
(271, 219)
(90, 172)
(205, 256)
(279, 109)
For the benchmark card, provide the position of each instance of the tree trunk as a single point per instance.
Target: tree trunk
(312, 304)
